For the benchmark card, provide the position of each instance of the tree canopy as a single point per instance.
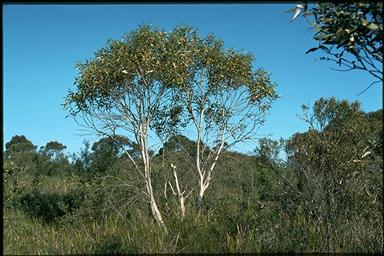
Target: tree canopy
(153, 82)
(19, 144)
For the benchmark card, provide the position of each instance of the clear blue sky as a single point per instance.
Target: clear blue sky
(42, 43)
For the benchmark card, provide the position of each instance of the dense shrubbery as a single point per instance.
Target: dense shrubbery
(326, 196)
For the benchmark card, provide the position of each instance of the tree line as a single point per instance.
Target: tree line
(326, 195)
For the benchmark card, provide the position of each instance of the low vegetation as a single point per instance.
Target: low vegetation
(326, 195)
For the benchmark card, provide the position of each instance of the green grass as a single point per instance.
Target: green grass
(65, 215)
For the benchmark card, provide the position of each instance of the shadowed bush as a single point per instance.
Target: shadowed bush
(50, 207)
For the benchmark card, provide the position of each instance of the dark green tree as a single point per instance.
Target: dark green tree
(53, 159)
(19, 144)
(267, 152)
(54, 150)
(23, 157)
(108, 150)
(21, 152)
(179, 143)
(335, 166)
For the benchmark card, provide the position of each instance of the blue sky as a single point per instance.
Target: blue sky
(42, 44)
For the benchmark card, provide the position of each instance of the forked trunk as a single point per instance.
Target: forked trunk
(179, 193)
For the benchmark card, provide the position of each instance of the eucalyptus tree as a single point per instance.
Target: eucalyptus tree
(107, 151)
(224, 98)
(21, 152)
(124, 90)
(18, 144)
(349, 34)
(53, 150)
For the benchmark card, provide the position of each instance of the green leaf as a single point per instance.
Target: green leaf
(322, 36)
(373, 26)
(364, 22)
(312, 50)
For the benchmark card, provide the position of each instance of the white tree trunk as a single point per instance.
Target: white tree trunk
(182, 206)
(154, 209)
(205, 177)
(202, 189)
(180, 193)
(147, 173)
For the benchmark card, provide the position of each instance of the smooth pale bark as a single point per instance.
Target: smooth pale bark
(147, 173)
(202, 187)
(206, 176)
(154, 209)
(178, 192)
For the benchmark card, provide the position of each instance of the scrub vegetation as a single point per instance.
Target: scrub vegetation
(325, 197)
(318, 191)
